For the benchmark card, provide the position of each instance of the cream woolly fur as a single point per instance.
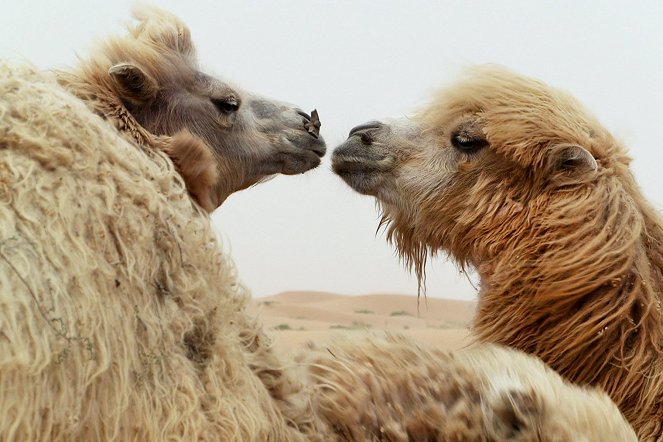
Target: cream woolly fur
(516, 179)
(120, 318)
(394, 390)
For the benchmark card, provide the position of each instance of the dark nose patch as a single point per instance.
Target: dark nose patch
(365, 126)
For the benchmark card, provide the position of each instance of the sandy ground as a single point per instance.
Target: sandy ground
(294, 318)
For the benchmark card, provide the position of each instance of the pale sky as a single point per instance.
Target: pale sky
(364, 60)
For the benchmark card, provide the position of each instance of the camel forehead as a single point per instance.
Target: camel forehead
(161, 28)
(494, 89)
(520, 115)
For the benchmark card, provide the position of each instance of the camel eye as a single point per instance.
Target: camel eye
(468, 144)
(225, 105)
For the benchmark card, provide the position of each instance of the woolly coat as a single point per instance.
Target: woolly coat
(394, 390)
(121, 318)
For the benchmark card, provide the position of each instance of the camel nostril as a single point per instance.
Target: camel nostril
(365, 127)
(366, 138)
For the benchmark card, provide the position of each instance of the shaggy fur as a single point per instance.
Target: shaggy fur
(396, 391)
(517, 180)
(195, 162)
(121, 319)
(222, 139)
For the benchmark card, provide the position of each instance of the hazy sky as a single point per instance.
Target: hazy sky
(362, 60)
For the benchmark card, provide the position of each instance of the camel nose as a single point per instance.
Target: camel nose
(365, 127)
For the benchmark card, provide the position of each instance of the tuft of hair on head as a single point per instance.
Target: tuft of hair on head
(161, 28)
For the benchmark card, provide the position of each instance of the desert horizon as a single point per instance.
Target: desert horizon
(293, 318)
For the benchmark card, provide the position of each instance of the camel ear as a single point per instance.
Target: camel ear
(132, 83)
(513, 414)
(571, 159)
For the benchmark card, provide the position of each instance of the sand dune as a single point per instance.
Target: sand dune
(294, 318)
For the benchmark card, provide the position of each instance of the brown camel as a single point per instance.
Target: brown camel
(515, 179)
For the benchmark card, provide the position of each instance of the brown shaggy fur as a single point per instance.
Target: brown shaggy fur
(543, 204)
(221, 139)
(195, 162)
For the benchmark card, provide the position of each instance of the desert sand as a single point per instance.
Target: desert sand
(294, 318)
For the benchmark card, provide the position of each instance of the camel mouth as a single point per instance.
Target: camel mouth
(361, 169)
(315, 145)
(365, 182)
(298, 154)
(320, 149)
(354, 166)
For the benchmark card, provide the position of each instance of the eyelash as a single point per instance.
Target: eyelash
(225, 105)
(468, 145)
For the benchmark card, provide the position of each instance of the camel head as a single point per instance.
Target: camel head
(468, 173)
(225, 138)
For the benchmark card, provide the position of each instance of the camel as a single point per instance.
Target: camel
(517, 180)
(394, 390)
(221, 138)
(122, 318)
